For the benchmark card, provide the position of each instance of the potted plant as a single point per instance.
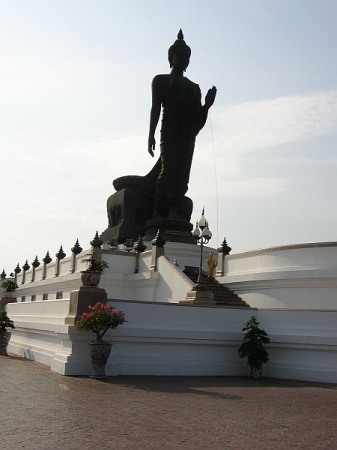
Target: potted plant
(5, 322)
(9, 286)
(92, 275)
(253, 346)
(99, 319)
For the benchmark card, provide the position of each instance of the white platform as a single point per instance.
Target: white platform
(292, 291)
(289, 277)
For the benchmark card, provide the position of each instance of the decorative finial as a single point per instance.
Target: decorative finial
(139, 246)
(47, 259)
(225, 249)
(60, 254)
(158, 241)
(202, 223)
(77, 248)
(17, 269)
(26, 266)
(35, 263)
(3, 275)
(180, 34)
(96, 242)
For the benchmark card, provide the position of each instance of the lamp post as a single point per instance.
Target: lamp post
(202, 234)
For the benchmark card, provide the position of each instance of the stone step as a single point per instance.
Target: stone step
(222, 294)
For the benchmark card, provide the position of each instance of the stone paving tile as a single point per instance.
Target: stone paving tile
(44, 410)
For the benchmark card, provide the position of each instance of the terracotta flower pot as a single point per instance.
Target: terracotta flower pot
(99, 353)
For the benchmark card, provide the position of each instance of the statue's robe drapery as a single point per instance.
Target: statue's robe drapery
(182, 119)
(166, 184)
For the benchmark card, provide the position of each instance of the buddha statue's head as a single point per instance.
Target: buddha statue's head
(179, 53)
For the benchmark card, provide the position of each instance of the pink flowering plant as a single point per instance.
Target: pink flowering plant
(100, 319)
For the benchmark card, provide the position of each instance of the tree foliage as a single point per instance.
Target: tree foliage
(253, 346)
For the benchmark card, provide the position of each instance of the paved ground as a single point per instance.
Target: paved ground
(44, 410)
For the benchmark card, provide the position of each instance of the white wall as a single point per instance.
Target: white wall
(172, 339)
(302, 276)
(303, 344)
(294, 289)
(173, 284)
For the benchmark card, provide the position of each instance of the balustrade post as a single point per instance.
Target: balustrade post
(76, 250)
(96, 245)
(35, 265)
(59, 256)
(46, 260)
(139, 247)
(25, 268)
(222, 252)
(17, 270)
(157, 249)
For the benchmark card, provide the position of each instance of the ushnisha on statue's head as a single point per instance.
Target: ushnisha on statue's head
(179, 53)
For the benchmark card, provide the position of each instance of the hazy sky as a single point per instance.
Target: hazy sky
(75, 81)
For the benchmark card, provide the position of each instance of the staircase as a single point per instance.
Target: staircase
(222, 295)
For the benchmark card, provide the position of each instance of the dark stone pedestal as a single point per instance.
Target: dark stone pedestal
(131, 214)
(128, 211)
(171, 230)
